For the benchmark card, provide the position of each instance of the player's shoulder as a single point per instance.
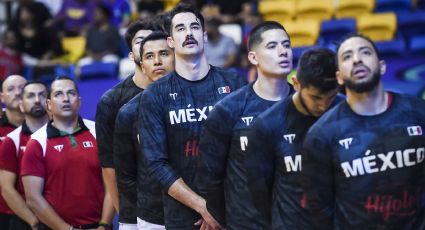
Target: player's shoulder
(161, 85)
(229, 75)
(412, 101)
(131, 107)
(236, 98)
(127, 86)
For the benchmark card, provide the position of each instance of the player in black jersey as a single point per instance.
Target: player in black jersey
(364, 159)
(109, 104)
(174, 110)
(274, 156)
(136, 188)
(221, 178)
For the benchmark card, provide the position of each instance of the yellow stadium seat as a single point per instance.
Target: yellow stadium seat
(303, 32)
(170, 4)
(317, 9)
(353, 8)
(74, 48)
(274, 10)
(378, 27)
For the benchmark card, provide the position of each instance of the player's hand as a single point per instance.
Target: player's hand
(210, 221)
(205, 226)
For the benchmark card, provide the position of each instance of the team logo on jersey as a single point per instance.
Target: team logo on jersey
(244, 142)
(247, 120)
(189, 114)
(58, 147)
(87, 144)
(346, 142)
(23, 148)
(414, 130)
(289, 137)
(174, 95)
(224, 89)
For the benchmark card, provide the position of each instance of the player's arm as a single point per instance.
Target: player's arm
(105, 120)
(153, 145)
(318, 178)
(125, 160)
(108, 210)
(33, 172)
(14, 200)
(8, 176)
(260, 163)
(214, 147)
(34, 194)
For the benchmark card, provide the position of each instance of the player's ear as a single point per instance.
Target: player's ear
(296, 83)
(170, 42)
(252, 57)
(131, 56)
(382, 67)
(339, 78)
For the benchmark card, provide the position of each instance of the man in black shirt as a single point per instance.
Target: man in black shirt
(174, 110)
(140, 196)
(221, 178)
(111, 102)
(363, 165)
(274, 156)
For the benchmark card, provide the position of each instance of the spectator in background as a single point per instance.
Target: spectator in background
(10, 57)
(103, 40)
(121, 12)
(220, 49)
(37, 41)
(75, 16)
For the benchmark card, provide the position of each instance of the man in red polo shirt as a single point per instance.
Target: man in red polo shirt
(33, 106)
(60, 170)
(10, 94)
(12, 117)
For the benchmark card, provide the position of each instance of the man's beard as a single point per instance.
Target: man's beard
(363, 87)
(37, 112)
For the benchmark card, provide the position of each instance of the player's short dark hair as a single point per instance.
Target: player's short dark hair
(317, 68)
(32, 82)
(255, 34)
(184, 8)
(134, 27)
(353, 35)
(62, 78)
(162, 20)
(154, 36)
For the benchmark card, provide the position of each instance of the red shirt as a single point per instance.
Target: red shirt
(5, 128)
(70, 167)
(11, 152)
(10, 62)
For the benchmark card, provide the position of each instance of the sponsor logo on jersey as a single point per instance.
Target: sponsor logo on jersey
(247, 120)
(381, 162)
(23, 148)
(289, 137)
(224, 89)
(174, 95)
(192, 148)
(244, 142)
(414, 130)
(391, 205)
(293, 163)
(58, 147)
(87, 144)
(346, 142)
(189, 114)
